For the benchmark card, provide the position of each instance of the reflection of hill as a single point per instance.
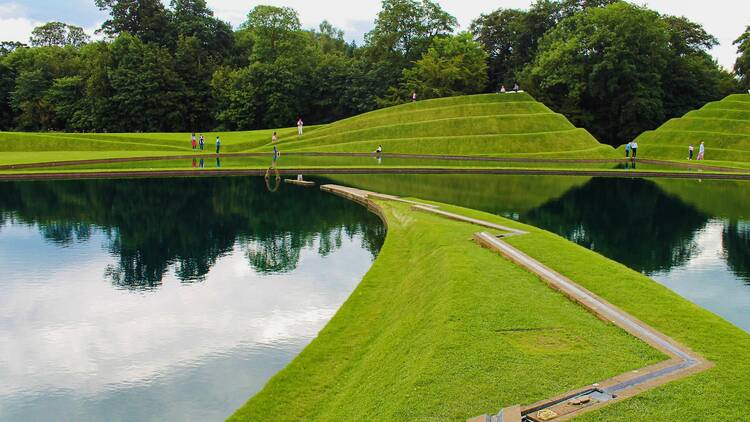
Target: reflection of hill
(736, 243)
(491, 193)
(719, 198)
(628, 220)
(188, 224)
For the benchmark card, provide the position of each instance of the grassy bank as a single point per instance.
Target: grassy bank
(464, 332)
(723, 125)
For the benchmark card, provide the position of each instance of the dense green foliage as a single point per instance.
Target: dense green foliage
(177, 67)
(618, 82)
(724, 127)
(742, 67)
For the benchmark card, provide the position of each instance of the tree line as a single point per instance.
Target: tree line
(612, 67)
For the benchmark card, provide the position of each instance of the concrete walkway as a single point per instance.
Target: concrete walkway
(681, 363)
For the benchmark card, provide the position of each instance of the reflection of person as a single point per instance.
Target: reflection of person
(200, 164)
(701, 151)
(218, 145)
(300, 124)
(691, 149)
(218, 162)
(194, 163)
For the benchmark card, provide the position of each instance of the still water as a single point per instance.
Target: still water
(693, 236)
(165, 299)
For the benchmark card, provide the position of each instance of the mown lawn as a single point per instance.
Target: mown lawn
(441, 329)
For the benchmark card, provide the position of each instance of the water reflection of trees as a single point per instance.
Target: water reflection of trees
(631, 221)
(188, 224)
(735, 241)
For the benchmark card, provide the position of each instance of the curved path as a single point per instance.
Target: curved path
(681, 363)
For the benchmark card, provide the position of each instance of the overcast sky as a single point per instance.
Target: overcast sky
(725, 19)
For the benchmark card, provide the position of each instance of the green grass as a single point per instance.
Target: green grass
(497, 125)
(442, 329)
(723, 125)
(465, 332)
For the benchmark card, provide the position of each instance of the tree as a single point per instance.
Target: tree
(148, 20)
(275, 32)
(511, 37)
(500, 33)
(7, 47)
(452, 66)
(620, 70)
(147, 93)
(58, 34)
(742, 66)
(404, 30)
(193, 18)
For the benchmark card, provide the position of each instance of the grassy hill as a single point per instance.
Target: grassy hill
(723, 125)
(492, 124)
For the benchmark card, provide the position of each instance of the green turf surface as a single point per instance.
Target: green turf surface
(723, 125)
(460, 333)
(465, 332)
(492, 124)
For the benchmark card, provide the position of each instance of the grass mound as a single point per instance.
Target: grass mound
(723, 125)
(493, 124)
(490, 124)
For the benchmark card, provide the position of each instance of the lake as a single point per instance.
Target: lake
(165, 299)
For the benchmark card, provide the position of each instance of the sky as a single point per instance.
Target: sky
(725, 19)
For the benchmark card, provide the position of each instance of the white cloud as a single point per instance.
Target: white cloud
(16, 29)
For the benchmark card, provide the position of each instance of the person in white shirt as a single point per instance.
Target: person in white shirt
(300, 124)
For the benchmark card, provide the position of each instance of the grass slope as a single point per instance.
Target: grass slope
(511, 124)
(460, 333)
(464, 332)
(723, 125)
(490, 124)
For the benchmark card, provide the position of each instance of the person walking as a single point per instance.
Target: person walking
(300, 124)
(691, 149)
(201, 142)
(628, 146)
(414, 96)
(701, 151)
(516, 88)
(502, 89)
(274, 138)
(379, 150)
(192, 141)
(634, 148)
(218, 145)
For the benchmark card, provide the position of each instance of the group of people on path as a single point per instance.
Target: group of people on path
(631, 150)
(200, 143)
(701, 151)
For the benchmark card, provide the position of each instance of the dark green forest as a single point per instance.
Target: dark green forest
(610, 66)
